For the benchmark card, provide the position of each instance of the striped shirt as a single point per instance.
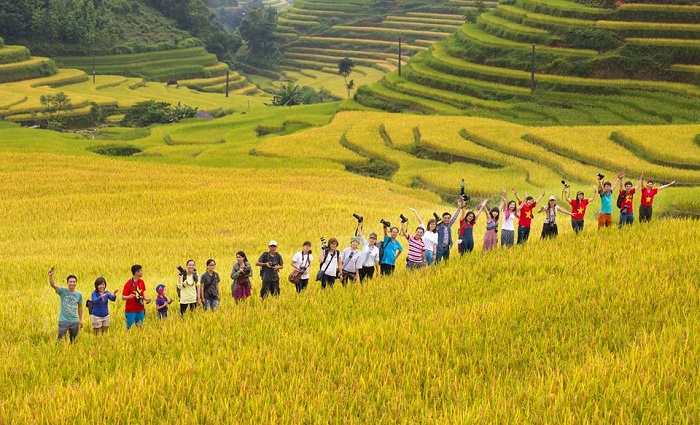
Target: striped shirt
(415, 249)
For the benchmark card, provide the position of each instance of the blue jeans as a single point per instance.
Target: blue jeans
(442, 252)
(467, 244)
(626, 218)
(134, 318)
(523, 234)
(429, 257)
(577, 225)
(210, 303)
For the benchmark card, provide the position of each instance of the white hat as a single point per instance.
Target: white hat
(552, 198)
(272, 243)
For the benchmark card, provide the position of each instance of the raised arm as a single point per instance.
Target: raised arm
(666, 185)
(595, 192)
(482, 206)
(565, 194)
(456, 214)
(420, 222)
(640, 182)
(540, 198)
(51, 281)
(620, 176)
(504, 201)
(517, 198)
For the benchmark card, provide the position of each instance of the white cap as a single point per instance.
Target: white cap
(272, 243)
(552, 198)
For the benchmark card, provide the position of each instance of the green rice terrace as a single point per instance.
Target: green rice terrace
(630, 63)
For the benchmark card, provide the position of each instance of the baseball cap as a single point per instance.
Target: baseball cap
(552, 198)
(272, 243)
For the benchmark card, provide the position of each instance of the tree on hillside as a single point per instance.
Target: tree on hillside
(53, 105)
(345, 67)
(471, 14)
(258, 33)
(288, 95)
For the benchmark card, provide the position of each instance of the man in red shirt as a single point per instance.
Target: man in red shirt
(578, 207)
(626, 201)
(648, 194)
(134, 294)
(526, 213)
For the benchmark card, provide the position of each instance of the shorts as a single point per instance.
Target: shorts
(71, 328)
(100, 322)
(134, 318)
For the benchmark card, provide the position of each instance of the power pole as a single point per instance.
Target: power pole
(532, 73)
(227, 74)
(399, 56)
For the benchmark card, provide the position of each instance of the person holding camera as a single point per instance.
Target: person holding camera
(549, 228)
(526, 213)
(626, 201)
(100, 306)
(331, 266)
(301, 262)
(271, 263)
(370, 255)
(188, 284)
(134, 293)
(606, 203)
(351, 261)
(509, 211)
(648, 193)
(209, 290)
(416, 247)
(241, 273)
(391, 251)
(70, 317)
(578, 207)
(444, 233)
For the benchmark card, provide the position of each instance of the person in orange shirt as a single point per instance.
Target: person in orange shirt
(647, 202)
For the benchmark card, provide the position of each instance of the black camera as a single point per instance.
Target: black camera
(324, 244)
(272, 263)
(359, 218)
(600, 176)
(625, 209)
(565, 184)
(385, 223)
(139, 299)
(403, 218)
(462, 194)
(181, 271)
(437, 218)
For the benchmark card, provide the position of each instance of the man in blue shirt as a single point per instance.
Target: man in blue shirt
(606, 205)
(392, 250)
(70, 319)
(444, 231)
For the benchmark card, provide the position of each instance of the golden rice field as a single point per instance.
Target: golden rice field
(598, 328)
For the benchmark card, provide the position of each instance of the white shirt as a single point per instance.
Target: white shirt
(509, 222)
(369, 255)
(430, 239)
(303, 261)
(332, 263)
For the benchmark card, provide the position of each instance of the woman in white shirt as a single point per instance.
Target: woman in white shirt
(370, 255)
(351, 259)
(330, 264)
(301, 262)
(509, 213)
(430, 237)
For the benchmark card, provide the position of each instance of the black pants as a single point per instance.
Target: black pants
(645, 213)
(366, 273)
(327, 280)
(348, 277)
(303, 283)
(386, 269)
(270, 287)
(549, 231)
(183, 307)
(577, 225)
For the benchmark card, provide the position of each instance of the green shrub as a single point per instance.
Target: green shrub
(115, 150)
(591, 38)
(12, 54)
(150, 112)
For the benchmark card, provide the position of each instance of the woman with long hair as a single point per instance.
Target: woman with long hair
(240, 274)
(549, 229)
(430, 237)
(331, 265)
(188, 284)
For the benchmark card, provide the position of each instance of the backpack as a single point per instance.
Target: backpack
(620, 199)
(382, 246)
(88, 305)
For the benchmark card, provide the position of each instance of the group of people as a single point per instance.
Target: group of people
(429, 244)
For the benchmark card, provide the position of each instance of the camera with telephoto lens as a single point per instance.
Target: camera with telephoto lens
(437, 218)
(403, 218)
(563, 182)
(462, 194)
(139, 299)
(324, 244)
(359, 218)
(385, 223)
(600, 176)
(182, 272)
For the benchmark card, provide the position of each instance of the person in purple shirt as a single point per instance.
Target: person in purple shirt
(100, 306)
(162, 302)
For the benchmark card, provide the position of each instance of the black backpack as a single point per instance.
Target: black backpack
(382, 246)
(620, 199)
